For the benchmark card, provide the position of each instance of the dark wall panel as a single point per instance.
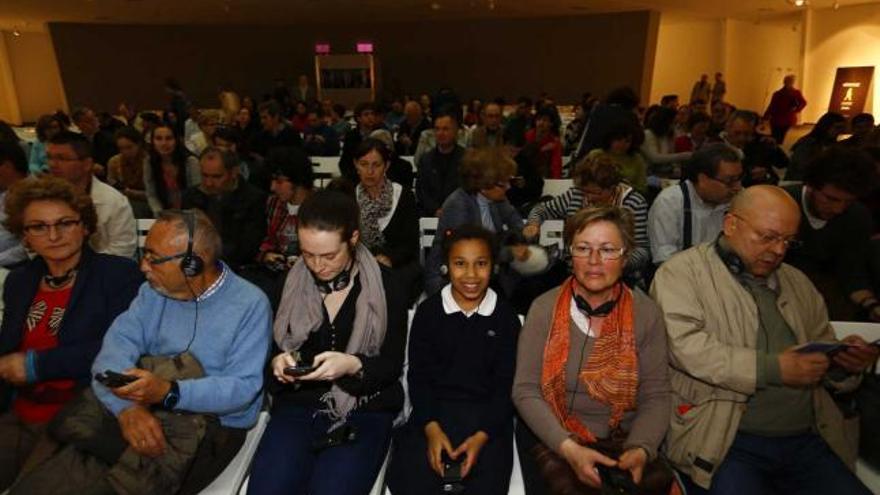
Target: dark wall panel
(565, 56)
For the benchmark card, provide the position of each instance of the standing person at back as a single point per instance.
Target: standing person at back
(70, 158)
(785, 105)
(702, 89)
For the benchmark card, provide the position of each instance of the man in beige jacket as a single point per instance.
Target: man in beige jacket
(751, 414)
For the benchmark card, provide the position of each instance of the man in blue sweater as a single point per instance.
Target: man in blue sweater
(204, 333)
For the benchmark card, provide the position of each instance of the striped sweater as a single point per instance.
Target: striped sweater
(571, 201)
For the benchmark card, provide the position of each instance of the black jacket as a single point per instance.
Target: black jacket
(438, 176)
(265, 141)
(239, 216)
(104, 287)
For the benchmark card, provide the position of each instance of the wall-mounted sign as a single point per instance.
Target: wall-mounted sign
(850, 92)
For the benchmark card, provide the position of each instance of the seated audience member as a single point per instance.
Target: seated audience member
(338, 121)
(70, 158)
(751, 414)
(575, 129)
(320, 139)
(229, 139)
(591, 373)
(680, 125)
(821, 137)
(697, 134)
(57, 308)
(342, 318)
(693, 211)
(437, 169)
(398, 169)
(411, 129)
(720, 113)
(546, 137)
(100, 140)
(836, 231)
(300, 119)
(389, 222)
(395, 115)
(619, 145)
(194, 340)
(149, 121)
(13, 169)
(125, 171)
(597, 182)
(365, 116)
(489, 132)
(658, 148)
(47, 126)
(428, 140)
(462, 352)
(172, 170)
(762, 157)
(276, 132)
(202, 138)
(739, 131)
(527, 185)
(860, 128)
(616, 112)
(516, 125)
(235, 207)
(481, 200)
(247, 125)
(292, 183)
(473, 114)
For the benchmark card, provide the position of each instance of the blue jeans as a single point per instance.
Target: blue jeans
(801, 464)
(285, 462)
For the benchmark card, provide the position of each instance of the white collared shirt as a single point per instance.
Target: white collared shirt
(815, 222)
(666, 221)
(580, 320)
(116, 232)
(485, 308)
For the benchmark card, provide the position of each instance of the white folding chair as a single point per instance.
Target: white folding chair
(427, 230)
(143, 227)
(555, 187)
(233, 478)
(552, 233)
(326, 165)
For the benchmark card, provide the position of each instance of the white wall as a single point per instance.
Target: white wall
(35, 73)
(848, 37)
(686, 48)
(759, 54)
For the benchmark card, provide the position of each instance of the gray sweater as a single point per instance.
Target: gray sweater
(646, 426)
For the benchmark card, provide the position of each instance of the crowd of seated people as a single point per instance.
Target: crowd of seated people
(657, 349)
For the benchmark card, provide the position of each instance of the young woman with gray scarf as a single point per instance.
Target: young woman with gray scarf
(341, 315)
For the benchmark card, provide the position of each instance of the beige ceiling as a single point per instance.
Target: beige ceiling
(28, 15)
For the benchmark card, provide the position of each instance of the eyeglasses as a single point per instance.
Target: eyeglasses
(41, 229)
(771, 239)
(503, 184)
(151, 258)
(729, 181)
(605, 253)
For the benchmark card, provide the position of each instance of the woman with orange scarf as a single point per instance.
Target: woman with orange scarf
(591, 378)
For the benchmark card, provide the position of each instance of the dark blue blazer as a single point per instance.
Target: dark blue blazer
(104, 287)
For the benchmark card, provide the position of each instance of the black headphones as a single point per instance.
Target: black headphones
(192, 264)
(731, 260)
(603, 309)
(339, 282)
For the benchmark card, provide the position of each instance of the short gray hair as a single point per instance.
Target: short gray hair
(206, 239)
(230, 160)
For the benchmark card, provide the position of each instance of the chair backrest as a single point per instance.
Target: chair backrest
(551, 233)
(555, 187)
(427, 230)
(143, 227)
(326, 165)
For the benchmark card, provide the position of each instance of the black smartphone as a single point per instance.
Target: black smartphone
(112, 379)
(297, 371)
(452, 482)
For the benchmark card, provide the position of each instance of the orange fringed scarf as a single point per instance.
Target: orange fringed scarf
(611, 371)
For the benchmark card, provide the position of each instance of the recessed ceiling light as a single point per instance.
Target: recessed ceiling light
(435, 6)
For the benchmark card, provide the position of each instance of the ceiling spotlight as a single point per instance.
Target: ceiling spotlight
(435, 6)
(16, 33)
(799, 3)
(836, 5)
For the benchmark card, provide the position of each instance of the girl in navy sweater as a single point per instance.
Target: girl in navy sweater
(462, 350)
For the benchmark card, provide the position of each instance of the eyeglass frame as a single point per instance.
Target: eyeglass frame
(728, 184)
(604, 257)
(61, 226)
(161, 259)
(768, 239)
